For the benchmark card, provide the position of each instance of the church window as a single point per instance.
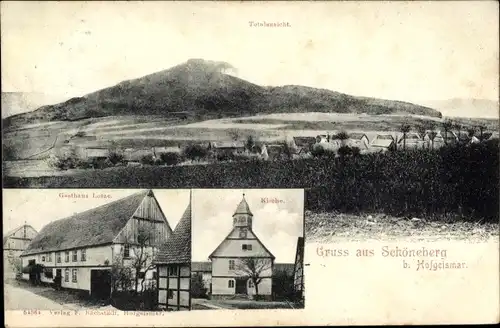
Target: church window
(231, 264)
(230, 283)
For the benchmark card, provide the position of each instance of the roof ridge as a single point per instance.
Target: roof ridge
(98, 207)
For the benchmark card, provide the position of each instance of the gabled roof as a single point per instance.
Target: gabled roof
(97, 152)
(13, 231)
(227, 144)
(255, 236)
(159, 150)
(382, 143)
(357, 136)
(410, 137)
(304, 141)
(243, 208)
(177, 249)
(201, 266)
(96, 226)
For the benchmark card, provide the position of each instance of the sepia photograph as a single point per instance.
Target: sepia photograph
(165, 159)
(248, 249)
(92, 249)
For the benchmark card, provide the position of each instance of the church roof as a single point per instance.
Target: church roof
(243, 208)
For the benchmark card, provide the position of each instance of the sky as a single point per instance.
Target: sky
(38, 207)
(411, 51)
(276, 225)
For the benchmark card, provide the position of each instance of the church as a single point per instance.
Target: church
(241, 264)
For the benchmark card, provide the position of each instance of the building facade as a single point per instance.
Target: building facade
(15, 243)
(241, 264)
(80, 251)
(173, 263)
(298, 271)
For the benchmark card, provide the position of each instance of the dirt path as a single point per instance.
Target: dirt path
(17, 298)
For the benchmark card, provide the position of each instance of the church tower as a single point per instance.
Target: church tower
(237, 255)
(242, 217)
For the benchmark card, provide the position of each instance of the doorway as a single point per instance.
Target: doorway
(241, 286)
(100, 284)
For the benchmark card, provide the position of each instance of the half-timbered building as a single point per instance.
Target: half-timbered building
(82, 249)
(173, 263)
(298, 271)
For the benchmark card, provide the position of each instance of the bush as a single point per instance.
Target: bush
(66, 161)
(115, 157)
(195, 152)
(198, 289)
(147, 160)
(451, 181)
(170, 158)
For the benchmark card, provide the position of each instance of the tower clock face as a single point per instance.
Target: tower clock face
(243, 233)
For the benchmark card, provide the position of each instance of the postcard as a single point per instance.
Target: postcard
(250, 163)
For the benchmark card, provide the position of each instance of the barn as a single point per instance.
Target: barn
(241, 264)
(359, 140)
(227, 146)
(383, 142)
(173, 264)
(411, 141)
(303, 144)
(80, 250)
(15, 242)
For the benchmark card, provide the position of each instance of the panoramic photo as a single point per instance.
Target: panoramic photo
(132, 113)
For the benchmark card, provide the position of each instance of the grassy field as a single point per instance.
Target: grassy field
(36, 141)
(331, 227)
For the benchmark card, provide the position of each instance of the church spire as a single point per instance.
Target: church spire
(243, 208)
(242, 216)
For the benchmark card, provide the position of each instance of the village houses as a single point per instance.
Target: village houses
(15, 242)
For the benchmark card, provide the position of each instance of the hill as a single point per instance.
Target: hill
(14, 103)
(463, 107)
(203, 87)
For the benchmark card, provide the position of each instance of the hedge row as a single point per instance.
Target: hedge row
(451, 180)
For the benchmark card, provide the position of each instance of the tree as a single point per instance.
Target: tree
(405, 128)
(421, 129)
(447, 125)
(283, 284)
(233, 134)
(286, 150)
(344, 151)
(115, 157)
(250, 143)
(126, 272)
(471, 131)
(142, 259)
(481, 128)
(195, 152)
(342, 136)
(254, 269)
(170, 158)
(198, 289)
(16, 263)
